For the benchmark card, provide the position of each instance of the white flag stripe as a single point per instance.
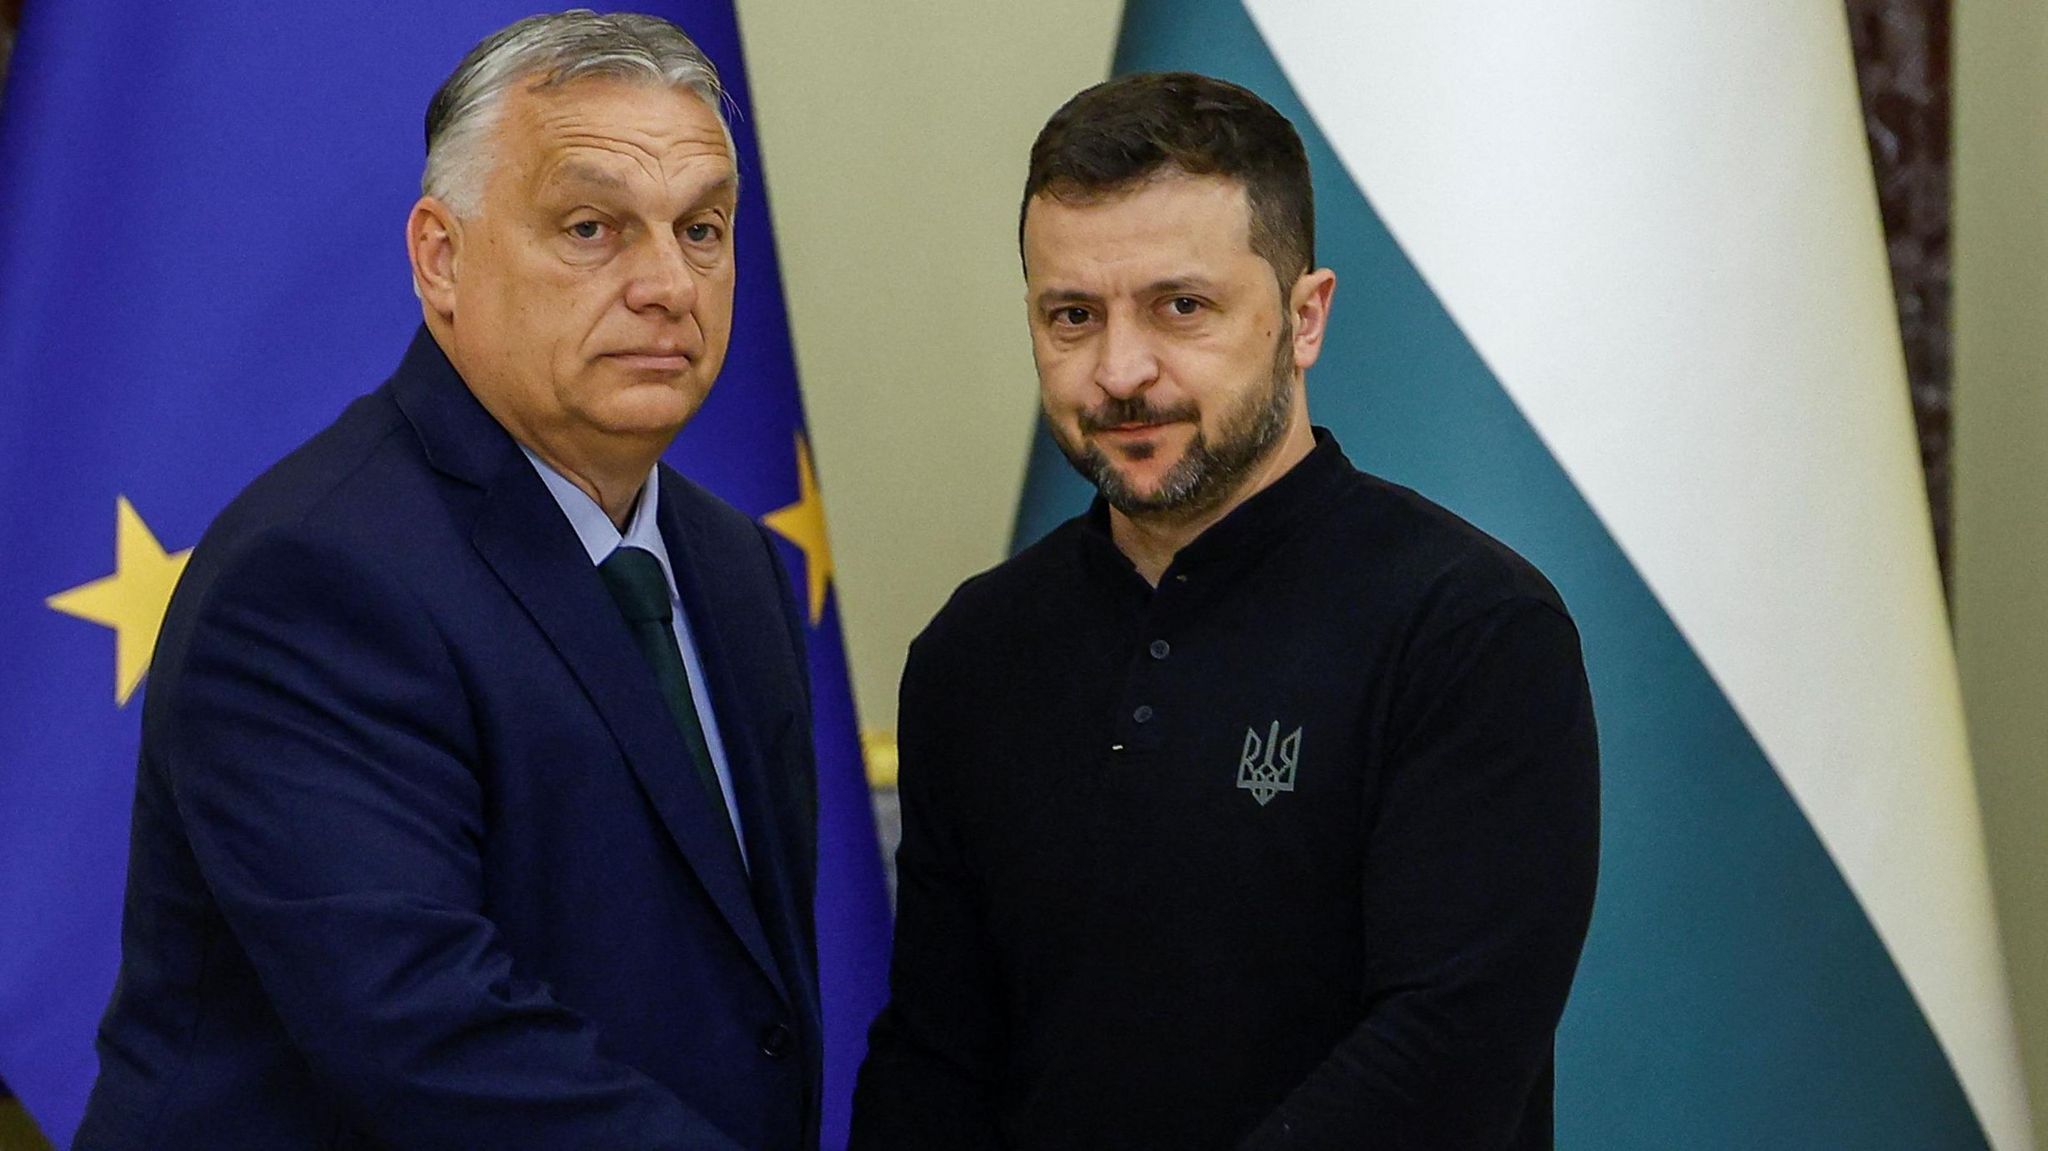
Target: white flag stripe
(1657, 225)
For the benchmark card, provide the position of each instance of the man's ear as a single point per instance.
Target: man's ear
(433, 240)
(1308, 305)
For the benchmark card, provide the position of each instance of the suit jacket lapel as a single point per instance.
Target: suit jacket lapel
(525, 539)
(740, 729)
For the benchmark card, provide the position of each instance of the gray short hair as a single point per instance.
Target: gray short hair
(555, 48)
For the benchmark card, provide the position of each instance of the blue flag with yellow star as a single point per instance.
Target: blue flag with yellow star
(201, 263)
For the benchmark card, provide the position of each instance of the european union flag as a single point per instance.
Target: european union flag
(201, 262)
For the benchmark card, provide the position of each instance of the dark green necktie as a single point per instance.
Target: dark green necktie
(635, 579)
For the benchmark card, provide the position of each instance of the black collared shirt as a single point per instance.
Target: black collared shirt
(1295, 850)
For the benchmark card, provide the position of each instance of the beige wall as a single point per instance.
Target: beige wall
(2001, 459)
(894, 134)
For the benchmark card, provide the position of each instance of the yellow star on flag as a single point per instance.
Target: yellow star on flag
(132, 600)
(803, 524)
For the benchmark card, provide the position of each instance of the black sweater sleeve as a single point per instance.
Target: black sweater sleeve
(929, 1078)
(1482, 849)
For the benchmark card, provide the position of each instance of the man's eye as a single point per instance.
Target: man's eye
(1070, 317)
(586, 229)
(1184, 305)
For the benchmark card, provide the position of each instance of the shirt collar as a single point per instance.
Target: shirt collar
(594, 528)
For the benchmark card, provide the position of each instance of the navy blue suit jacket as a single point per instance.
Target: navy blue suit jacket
(418, 857)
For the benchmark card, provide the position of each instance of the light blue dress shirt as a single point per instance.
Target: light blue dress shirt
(643, 531)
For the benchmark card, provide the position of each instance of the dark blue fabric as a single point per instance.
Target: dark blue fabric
(201, 263)
(418, 855)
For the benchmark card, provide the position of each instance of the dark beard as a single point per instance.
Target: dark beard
(1207, 473)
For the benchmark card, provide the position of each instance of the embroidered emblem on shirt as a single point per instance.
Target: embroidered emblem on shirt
(1266, 766)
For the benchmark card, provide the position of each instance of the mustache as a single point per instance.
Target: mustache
(1134, 410)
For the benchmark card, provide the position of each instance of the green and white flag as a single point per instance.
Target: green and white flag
(1612, 285)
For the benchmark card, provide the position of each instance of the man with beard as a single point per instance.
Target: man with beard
(1257, 806)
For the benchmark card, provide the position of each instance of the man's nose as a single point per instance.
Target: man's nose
(661, 277)
(1127, 363)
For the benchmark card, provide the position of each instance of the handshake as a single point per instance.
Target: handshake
(477, 801)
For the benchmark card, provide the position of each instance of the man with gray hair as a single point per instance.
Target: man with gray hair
(476, 803)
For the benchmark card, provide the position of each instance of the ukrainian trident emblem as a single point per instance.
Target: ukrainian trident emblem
(1257, 769)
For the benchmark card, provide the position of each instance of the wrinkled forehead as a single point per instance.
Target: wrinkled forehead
(612, 125)
(1170, 216)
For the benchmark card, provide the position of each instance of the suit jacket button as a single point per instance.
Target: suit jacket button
(776, 1041)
